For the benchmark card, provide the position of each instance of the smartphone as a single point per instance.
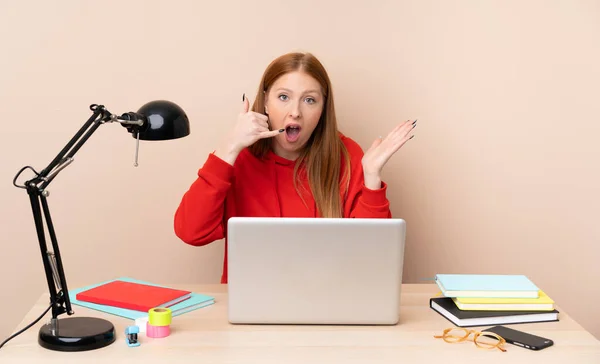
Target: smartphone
(521, 338)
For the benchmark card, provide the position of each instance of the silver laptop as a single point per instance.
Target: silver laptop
(315, 270)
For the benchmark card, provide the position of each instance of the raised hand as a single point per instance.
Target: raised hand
(249, 128)
(382, 150)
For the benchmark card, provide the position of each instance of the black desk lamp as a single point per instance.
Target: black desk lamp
(156, 120)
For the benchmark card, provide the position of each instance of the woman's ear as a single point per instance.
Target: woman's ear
(266, 107)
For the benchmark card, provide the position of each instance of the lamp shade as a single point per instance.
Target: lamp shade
(163, 120)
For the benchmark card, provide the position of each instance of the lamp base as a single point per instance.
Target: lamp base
(77, 334)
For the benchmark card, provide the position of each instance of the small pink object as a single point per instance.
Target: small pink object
(157, 331)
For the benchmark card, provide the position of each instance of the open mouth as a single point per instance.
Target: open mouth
(292, 133)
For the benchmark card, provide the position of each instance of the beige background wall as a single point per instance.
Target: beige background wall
(502, 177)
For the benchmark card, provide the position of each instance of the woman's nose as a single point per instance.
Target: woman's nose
(295, 111)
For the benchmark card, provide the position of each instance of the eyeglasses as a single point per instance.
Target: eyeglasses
(483, 340)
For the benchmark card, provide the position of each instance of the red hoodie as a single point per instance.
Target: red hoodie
(262, 188)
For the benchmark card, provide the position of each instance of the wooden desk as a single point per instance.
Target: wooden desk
(205, 336)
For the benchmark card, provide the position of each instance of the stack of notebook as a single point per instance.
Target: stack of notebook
(132, 298)
(488, 299)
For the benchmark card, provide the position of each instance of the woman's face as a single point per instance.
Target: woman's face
(294, 103)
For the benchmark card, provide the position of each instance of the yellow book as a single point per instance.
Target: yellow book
(541, 303)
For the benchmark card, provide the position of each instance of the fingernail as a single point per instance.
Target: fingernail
(244, 97)
(281, 130)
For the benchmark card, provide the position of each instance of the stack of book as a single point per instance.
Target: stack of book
(489, 299)
(132, 298)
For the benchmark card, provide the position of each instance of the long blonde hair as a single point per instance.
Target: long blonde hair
(322, 157)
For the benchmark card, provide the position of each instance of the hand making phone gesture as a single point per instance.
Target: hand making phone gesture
(249, 128)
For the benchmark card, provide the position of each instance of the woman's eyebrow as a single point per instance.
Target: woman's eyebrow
(290, 91)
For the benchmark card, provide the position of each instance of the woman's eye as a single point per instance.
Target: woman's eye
(283, 97)
(310, 100)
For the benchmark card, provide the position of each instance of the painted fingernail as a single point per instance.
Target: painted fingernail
(244, 97)
(281, 130)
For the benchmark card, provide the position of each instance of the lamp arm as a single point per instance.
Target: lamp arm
(98, 110)
(36, 189)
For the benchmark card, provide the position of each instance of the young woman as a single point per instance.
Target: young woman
(286, 158)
